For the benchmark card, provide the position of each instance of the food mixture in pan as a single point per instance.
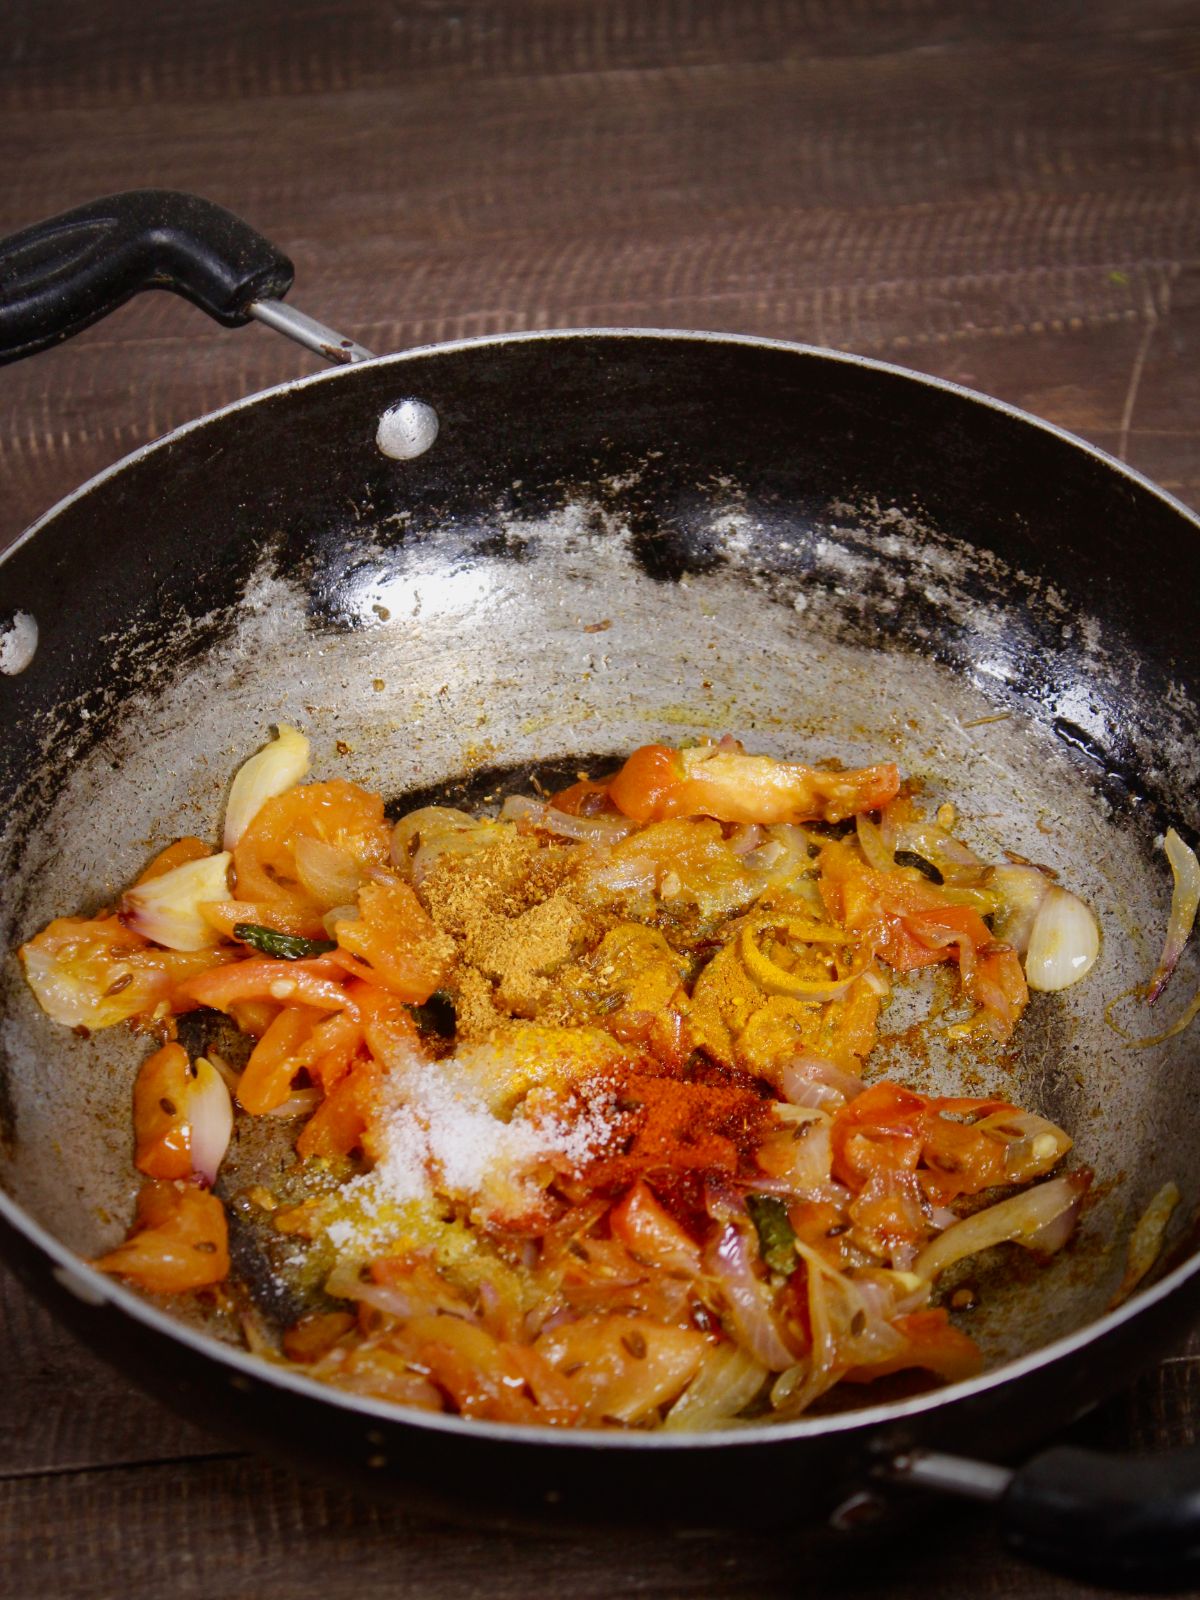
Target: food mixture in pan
(575, 1096)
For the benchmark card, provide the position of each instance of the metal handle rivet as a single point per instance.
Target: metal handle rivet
(406, 430)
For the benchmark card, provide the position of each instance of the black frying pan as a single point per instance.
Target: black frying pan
(828, 556)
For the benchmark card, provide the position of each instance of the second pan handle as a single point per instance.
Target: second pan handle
(59, 276)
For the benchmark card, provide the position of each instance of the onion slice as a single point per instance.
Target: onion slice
(729, 1262)
(1041, 1219)
(726, 1383)
(1185, 896)
(210, 1115)
(272, 771)
(1145, 1242)
(604, 830)
(1064, 941)
(166, 909)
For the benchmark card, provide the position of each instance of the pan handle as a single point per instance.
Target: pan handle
(1125, 1522)
(58, 277)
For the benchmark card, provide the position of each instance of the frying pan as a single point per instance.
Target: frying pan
(525, 555)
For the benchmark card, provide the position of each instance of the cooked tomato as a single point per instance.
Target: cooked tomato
(179, 1240)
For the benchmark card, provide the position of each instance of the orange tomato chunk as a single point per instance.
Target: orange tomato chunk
(179, 1240)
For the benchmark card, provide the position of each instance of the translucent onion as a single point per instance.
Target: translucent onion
(275, 769)
(209, 1112)
(423, 836)
(726, 1383)
(605, 830)
(1063, 942)
(730, 1264)
(1021, 890)
(1041, 1219)
(1032, 1144)
(1185, 896)
(166, 909)
(873, 845)
(810, 1080)
(953, 859)
(331, 875)
(1145, 1242)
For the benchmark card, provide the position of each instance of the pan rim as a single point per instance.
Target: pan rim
(81, 1278)
(571, 335)
(78, 1277)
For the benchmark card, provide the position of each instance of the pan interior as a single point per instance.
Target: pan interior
(530, 638)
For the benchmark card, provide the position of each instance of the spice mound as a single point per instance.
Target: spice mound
(569, 1104)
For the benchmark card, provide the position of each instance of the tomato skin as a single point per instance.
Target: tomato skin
(651, 1234)
(880, 1128)
(267, 1079)
(934, 1343)
(189, 848)
(396, 938)
(891, 1130)
(644, 782)
(317, 982)
(909, 924)
(337, 813)
(160, 1125)
(179, 1240)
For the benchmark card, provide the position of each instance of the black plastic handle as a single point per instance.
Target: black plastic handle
(59, 276)
(1120, 1521)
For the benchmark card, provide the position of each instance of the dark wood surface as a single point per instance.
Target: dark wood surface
(1001, 193)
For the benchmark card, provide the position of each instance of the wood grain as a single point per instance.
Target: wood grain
(1003, 195)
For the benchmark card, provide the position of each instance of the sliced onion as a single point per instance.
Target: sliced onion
(605, 830)
(873, 845)
(730, 1264)
(748, 836)
(1032, 1144)
(1185, 896)
(300, 1103)
(1041, 1219)
(810, 1080)
(1063, 942)
(1021, 891)
(166, 909)
(346, 913)
(421, 838)
(329, 874)
(726, 1383)
(955, 861)
(802, 1161)
(210, 1116)
(1145, 1242)
(275, 769)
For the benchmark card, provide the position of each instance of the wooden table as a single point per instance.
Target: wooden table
(1006, 195)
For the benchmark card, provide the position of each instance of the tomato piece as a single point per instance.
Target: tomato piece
(335, 813)
(652, 1234)
(587, 798)
(275, 1060)
(623, 1368)
(189, 848)
(394, 935)
(338, 1124)
(160, 1123)
(224, 916)
(880, 1128)
(933, 1343)
(641, 787)
(179, 1240)
(314, 982)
